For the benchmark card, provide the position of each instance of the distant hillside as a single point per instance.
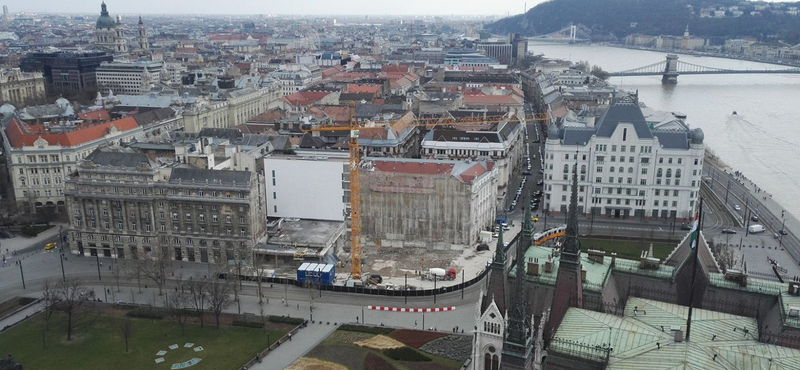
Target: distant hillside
(615, 19)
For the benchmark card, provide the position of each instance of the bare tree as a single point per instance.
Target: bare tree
(126, 329)
(156, 270)
(134, 271)
(198, 294)
(178, 306)
(49, 300)
(258, 271)
(74, 302)
(117, 271)
(263, 314)
(219, 297)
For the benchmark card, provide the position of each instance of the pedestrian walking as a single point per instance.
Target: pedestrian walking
(298, 306)
(290, 336)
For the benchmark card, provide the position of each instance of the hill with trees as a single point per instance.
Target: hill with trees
(610, 20)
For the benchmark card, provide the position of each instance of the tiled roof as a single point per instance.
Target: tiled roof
(490, 99)
(395, 68)
(95, 116)
(305, 98)
(117, 159)
(20, 135)
(463, 171)
(369, 89)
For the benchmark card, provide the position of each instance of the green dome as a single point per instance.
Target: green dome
(105, 20)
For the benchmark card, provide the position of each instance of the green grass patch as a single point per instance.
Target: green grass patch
(365, 329)
(34, 230)
(629, 249)
(406, 354)
(100, 345)
(14, 304)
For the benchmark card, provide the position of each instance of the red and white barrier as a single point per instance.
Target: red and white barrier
(406, 309)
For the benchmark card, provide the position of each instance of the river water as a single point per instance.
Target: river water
(762, 140)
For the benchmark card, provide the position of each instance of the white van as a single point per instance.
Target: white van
(754, 229)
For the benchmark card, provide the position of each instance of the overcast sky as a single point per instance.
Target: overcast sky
(322, 7)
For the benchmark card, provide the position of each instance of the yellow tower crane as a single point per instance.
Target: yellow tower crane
(355, 164)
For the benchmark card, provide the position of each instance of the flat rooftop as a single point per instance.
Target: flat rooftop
(306, 233)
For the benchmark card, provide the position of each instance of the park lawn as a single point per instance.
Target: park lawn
(628, 249)
(100, 346)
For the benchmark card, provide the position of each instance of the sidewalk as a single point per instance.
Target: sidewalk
(21, 241)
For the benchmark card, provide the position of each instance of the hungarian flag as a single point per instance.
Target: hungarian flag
(695, 230)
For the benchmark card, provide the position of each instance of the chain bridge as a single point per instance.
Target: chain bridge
(671, 68)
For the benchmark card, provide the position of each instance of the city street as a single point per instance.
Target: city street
(733, 190)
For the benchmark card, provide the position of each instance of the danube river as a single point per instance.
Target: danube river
(762, 141)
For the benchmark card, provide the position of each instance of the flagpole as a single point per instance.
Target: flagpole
(696, 241)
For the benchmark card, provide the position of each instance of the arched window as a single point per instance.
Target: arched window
(669, 172)
(611, 169)
(621, 170)
(658, 173)
(677, 173)
(630, 169)
(583, 169)
(566, 168)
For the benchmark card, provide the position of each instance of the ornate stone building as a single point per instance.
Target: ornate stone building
(123, 205)
(109, 33)
(17, 87)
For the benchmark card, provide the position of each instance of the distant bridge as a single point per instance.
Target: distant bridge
(571, 34)
(670, 68)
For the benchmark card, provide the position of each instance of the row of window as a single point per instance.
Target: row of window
(35, 181)
(47, 193)
(147, 228)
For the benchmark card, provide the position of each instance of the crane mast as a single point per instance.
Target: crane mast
(355, 169)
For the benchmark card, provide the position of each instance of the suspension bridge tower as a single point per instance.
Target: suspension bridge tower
(671, 70)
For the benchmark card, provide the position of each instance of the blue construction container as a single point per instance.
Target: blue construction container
(316, 273)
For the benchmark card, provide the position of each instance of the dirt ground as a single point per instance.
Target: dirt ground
(307, 363)
(379, 342)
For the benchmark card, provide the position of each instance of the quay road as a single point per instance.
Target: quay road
(734, 190)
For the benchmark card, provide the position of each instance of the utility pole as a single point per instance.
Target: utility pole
(21, 274)
(97, 257)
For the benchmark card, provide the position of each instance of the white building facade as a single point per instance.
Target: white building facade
(503, 146)
(129, 78)
(308, 186)
(627, 167)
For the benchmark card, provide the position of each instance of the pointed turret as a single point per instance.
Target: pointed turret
(517, 348)
(569, 287)
(497, 289)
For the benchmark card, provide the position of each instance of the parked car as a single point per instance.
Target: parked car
(685, 226)
(783, 232)
(728, 231)
(736, 207)
(526, 173)
(540, 182)
(754, 218)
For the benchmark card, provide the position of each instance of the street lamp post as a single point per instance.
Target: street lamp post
(434, 288)
(405, 290)
(462, 283)
(97, 257)
(21, 274)
(63, 275)
(363, 318)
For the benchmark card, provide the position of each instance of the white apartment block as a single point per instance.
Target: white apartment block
(503, 145)
(232, 109)
(134, 78)
(295, 77)
(627, 167)
(310, 185)
(40, 156)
